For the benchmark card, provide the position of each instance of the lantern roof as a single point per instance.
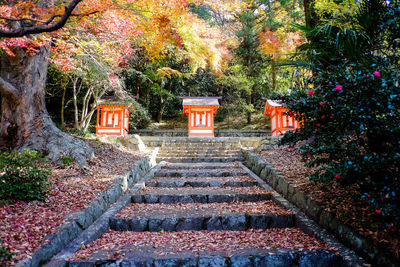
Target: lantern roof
(200, 101)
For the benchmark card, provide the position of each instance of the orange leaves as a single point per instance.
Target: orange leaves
(275, 42)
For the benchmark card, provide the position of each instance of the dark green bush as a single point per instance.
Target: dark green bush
(351, 110)
(5, 255)
(21, 177)
(139, 118)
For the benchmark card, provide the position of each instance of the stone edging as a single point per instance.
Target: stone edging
(324, 218)
(81, 220)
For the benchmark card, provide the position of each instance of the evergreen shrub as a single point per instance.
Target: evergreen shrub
(21, 178)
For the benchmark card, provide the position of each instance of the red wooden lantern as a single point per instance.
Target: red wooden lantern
(280, 122)
(113, 119)
(201, 111)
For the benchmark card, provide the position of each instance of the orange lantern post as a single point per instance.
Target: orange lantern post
(280, 121)
(113, 119)
(201, 111)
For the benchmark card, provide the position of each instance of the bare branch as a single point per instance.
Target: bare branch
(43, 27)
(7, 88)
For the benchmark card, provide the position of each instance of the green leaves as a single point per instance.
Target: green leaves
(21, 178)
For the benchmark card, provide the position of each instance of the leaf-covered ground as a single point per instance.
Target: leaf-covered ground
(25, 224)
(114, 243)
(344, 201)
(139, 209)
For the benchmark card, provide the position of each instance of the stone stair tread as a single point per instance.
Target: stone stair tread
(243, 178)
(200, 209)
(182, 182)
(203, 191)
(200, 159)
(203, 165)
(210, 248)
(207, 173)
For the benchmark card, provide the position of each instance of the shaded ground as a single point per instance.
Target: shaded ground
(25, 224)
(345, 202)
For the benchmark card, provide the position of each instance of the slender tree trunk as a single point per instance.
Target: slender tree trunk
(273, 72)
(63, 106)
(25, 122)
(75, 101)
(161, 110)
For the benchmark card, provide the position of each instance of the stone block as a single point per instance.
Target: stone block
(119, 224)
(318, 258)
(240, 261)
(234, 222)
(220, 198)
(275, 259)
(190, 224)
(137, 263)
(138, 224)
(155, 224)
(314, 209)
(212, 262)
(151, 198)
(214, 223)
(260, 221)
(299, 199)
(169, 224)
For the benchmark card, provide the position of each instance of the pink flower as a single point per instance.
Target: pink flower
(318, 125)
(323, 117)
(337, 176)
(378, 211)
(310, 92)
(338, 87)
(322, 103)
(291, 146)
(376, 73)
(309, 155)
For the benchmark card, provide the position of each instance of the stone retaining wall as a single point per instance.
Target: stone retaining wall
(217, 133)
(326, 219)
(81, 220)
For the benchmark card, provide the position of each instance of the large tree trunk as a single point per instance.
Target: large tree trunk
(25, 123)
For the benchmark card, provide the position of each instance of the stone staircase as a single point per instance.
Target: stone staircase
(204, 214)
(191, 150)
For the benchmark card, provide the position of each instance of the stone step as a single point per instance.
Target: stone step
(198, 155)
(196, 149)
(202, 173)
(201, 145)
(235, 216)
(200, 194)
(199, 166)
(200, 159)
(196, 182)
(254, 247)
(200, 151)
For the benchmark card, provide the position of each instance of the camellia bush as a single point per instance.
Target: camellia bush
(350, 111)
(352, 130)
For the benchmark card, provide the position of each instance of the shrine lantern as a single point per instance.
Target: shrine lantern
(201, 111)
(113, 118)
(280, 121)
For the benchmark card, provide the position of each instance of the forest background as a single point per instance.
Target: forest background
(157, 51)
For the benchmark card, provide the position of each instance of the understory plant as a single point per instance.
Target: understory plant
(350, 110)
(5, 255)
(21, 176)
